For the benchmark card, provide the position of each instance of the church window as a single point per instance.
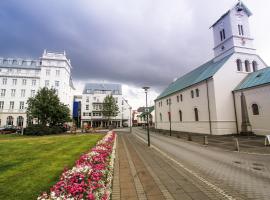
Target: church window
(247, 66)
(196, 114)
(177, 98)
(240, 29)
(222, 34)
(197, 92)
(192, 94)
(255, 109)
(160, 117)
(239, 65)
(180, 116)
(254, 66)
(181, 97)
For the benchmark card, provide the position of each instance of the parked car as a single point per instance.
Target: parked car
(8, 129)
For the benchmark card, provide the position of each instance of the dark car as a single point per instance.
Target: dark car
(8, 129)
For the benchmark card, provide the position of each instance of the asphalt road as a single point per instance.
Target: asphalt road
(235, 173)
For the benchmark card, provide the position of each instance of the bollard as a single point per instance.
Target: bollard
(205, 142)
(236, 144)
(189, 137)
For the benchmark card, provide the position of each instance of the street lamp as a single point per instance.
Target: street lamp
(146, 107)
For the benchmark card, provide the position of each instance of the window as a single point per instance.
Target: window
(13, 91)
(21, 105)
(47, 83)
(56, 83)
(20, 121)
(9, 120)
(18, 71)
(254, 66)
(3, 92)
(239, 65)
(14, 81)
(240, 29)
(181, 97)
(167, 101)
(196, 114)
(247, 66)
(192, 94)
(48, 72)
(4, 81)
(160, 117)
(24, 81)
(33, 93)
(87, 99)
(1, 105)
(197, 92)
(180, 116)
(255, 109)
(23, 93)
(222, 35)
(34, 82)
(177, 98)
(57, 72)
(86, 107)
(11, 105)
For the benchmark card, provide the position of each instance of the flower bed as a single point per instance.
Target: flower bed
(90, 178)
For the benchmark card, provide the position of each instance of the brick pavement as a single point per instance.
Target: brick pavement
(143, 173)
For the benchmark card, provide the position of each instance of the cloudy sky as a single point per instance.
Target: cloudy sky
(133, 42)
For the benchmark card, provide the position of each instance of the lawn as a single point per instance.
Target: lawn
(31, 165)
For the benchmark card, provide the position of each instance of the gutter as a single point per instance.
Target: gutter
(235, 112)
(209, 111)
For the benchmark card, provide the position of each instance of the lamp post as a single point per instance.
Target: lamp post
(147, 119)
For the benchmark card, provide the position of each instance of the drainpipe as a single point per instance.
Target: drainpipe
(209, 112)
(235, 113)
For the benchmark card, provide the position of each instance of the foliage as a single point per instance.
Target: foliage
(47, 108)
(90, 178)
(43, 130)
(110, 107)
(31, 165)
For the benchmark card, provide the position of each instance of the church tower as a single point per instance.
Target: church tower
(232, 33)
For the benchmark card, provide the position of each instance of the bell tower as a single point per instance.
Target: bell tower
(232, 33)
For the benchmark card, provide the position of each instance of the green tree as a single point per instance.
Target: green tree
(110, 107)
(47, 108)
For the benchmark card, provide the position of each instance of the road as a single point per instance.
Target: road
(234, 173)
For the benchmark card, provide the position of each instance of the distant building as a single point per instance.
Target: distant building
(22, 78)
(92, 104)
(208, 99)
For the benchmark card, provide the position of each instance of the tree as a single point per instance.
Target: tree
(110, 107)
(47, 108)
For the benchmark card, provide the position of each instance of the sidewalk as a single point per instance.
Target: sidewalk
(142, 173)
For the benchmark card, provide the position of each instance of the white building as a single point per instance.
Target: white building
(92, 103)
(206, 100)
(22, 78)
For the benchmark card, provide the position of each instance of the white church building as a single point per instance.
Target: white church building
(22, 78)
(208, 99)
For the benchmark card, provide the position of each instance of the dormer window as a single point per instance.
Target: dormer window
(222, 35)
(240, 29)
(239, 65)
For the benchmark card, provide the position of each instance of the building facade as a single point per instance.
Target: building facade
(22, 78)
(203, 100)
(92, 105)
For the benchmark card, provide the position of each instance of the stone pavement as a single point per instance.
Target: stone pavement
(143, 173)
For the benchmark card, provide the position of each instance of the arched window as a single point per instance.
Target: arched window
(181, 97)
(196, 114)
(20, 121)
(239, 65)
(9, 120)
(160, 117)
(197, 92)
(255, 109)
(192, 94)
(247, 66)
(254, 66)
(177, 98)
(180, 116)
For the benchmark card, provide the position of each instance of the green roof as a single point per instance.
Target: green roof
(257, 78)
(203, 72)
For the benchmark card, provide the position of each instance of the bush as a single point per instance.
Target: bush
(43, 130)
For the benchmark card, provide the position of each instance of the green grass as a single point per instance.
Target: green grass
(31, 165)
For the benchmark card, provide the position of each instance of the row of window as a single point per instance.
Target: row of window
(11, 105)
(48, 72)
(13, 93)
(10, 121)
(223, 35)
(247, 65)
(15, 81)
(99, 114)
(19, 71)
(180, 97)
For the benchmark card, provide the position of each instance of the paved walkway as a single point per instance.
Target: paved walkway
(143, 173)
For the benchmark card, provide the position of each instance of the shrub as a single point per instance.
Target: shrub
(43, 130)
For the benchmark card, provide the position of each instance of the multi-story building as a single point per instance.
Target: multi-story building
(92, 104)
(22, 78)
(228, 94)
